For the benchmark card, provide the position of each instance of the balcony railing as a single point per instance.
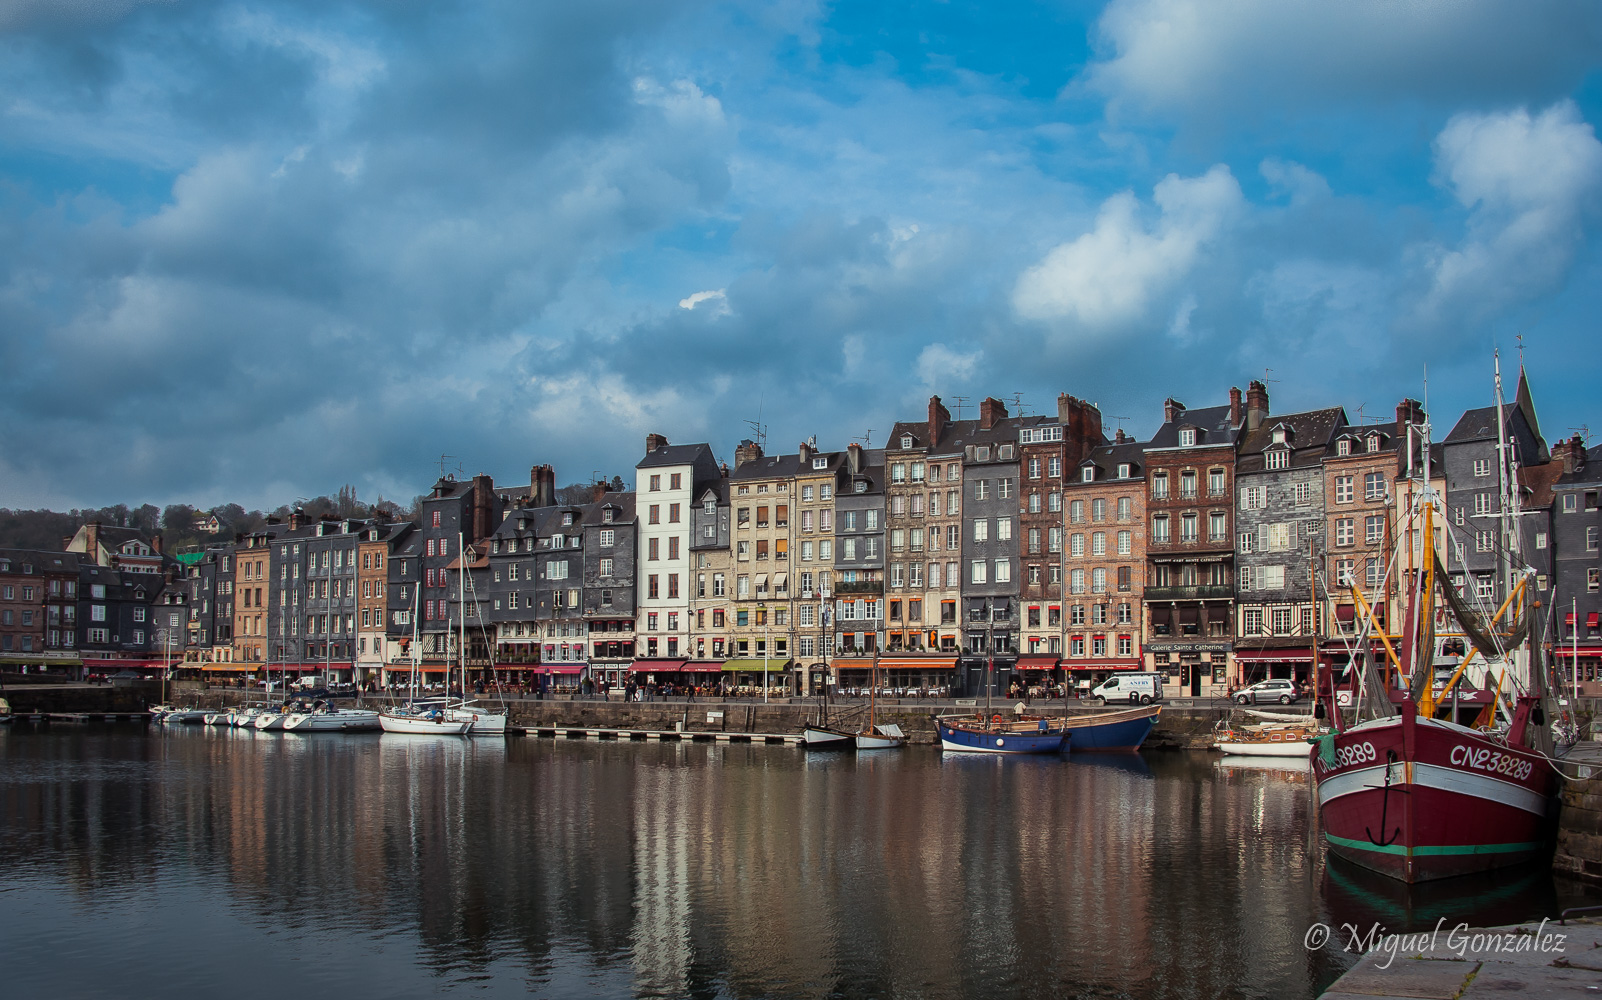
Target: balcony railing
(860, 587)
(1188, 593)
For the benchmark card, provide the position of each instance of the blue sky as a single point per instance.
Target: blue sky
(252, 251)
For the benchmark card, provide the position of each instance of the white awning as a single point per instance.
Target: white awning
(779, 580)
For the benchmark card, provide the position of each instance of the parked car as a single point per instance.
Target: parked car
(1282, 691)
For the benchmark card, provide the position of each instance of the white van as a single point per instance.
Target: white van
(1137, 689)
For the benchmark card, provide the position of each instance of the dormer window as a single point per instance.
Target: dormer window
(1373, 442)
(820, 462)
(1004, 452)
(710, 505)
(860, 486)
(906, 440)
(1279, 435)
(982, 453)
(1343, 447)
(1187, 437)
(1123, 471)
(567, 518)
(1087, 474)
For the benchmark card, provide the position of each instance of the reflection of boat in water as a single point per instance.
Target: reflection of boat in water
(1358, 896)
(1281, 765)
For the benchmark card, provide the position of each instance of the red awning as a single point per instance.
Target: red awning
(703, 667)
(559, 668)
(1567, 650)
(1273, 656)
(1037, 663)
(1103, 665)
(1568, 619)
(657, 666)
(917, 663)
(1591, 620)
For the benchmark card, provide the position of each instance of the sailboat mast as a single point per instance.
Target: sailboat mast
(461, 593)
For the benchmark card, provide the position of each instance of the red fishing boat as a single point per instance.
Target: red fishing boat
(1417, 797)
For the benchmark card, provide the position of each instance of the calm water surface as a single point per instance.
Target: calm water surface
(274, 865)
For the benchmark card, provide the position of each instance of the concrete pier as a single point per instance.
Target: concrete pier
(1549, 959)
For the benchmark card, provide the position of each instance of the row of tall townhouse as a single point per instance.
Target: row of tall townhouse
(1223, 549)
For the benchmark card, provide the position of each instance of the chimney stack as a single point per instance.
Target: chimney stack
(748, 451)
(1571, 453)
(939, 419)
(297, 519)
(483, 507)
(542, 486)
(1256, 404)
(991, 410)
(654, 442)
(854, 456)
(806, 455)
(155, 543)
(1172, 408)
(91, 537)
(1081, 423)
(1120, 437)
(1234, 406)
(598, 492)
(724, 469)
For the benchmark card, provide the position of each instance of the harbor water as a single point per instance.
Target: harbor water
(177, 863)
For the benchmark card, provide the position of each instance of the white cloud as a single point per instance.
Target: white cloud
(1195, 55)
(1529, 182)
(717, 299)
(1113, 274)
(1290, 178)
(939, 366)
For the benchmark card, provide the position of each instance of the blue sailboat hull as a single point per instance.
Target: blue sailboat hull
(1112, 731)
(975, 740)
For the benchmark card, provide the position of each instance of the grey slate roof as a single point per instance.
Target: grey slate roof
(1212, 421)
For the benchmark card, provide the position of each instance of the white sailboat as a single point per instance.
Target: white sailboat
(413, 718)
(874, 736)
(483, 721)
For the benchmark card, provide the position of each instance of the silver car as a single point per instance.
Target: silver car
(1282, 691)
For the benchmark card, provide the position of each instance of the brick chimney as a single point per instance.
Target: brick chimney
(939, 419)
(297, 519)
(1172, 408)
(483, 507)
(1120, 437)
(91, 538)
(654, 442)
(748, 451)
(724, 469)
(991, 410)
(806, 455)
(1571, 453)
(854, 457)
(155, 543)
(1081, 423)
(1256, 404)
(1234, 406)
(598, 492)
(542, 486)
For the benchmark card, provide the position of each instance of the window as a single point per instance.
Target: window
(1098, 580)
(981, 531)
(1345, 531)
(1054, 539)
(1482, 541)
(1159, 486)
(1374, 486)
(1054, 502)
(1187, 528)
(1004, 571)
(1373, 571)
(1482, 504)
(1098, 543)
(1076, 512)
(1590, 539)
(1159, 529)
(1125, 575)
(436, 519)
(1125, 508)
(1252, 498)
(1217, 526)
(980, 571)
(1343, 572)
(1187, 437)
(1301, 494)
(1279, 458)
(1374, 529)
(606, 567)
(1077, 581)
(1252, 621)
(1343, 489)
(1482, 467)
(1003, 529)
(1098, 510)
(1076, 545)
(1125, 542)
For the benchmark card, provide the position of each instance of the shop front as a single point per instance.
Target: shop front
(1289, 663)
(916, 676)
(1190, 669)
(747, 676)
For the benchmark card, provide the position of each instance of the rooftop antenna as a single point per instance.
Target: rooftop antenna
(866, 439)
(442, 459)
(1119, 419)
(1268, 377)
(1585, 432)
(1018, 404)
(759, 430)
(961, 401)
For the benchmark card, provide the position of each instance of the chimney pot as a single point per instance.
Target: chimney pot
(991, 409)
(654, 442)
(1256, 404)
(1172, 408)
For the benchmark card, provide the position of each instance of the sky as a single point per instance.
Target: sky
(253, 251)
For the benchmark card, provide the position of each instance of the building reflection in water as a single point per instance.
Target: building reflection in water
(667, 870)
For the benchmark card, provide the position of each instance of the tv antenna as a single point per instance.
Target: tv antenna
(1268, 377)
(759, 431)
(1585, 432)
(1120, 420)
(866, 439)
(442, 459)
(1018, 405)
(961, 401)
